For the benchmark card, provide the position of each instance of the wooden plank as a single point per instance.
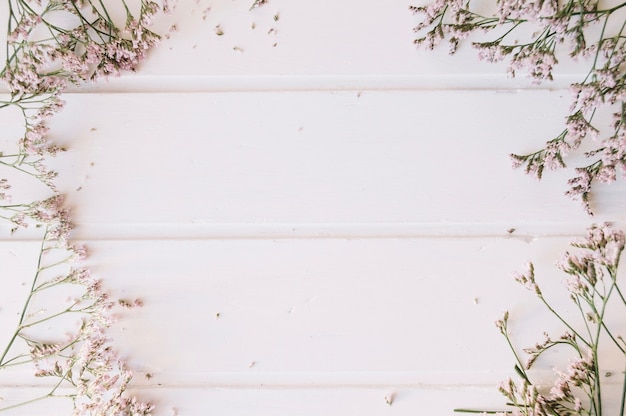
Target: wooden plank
(304, 402)
(197, 401)
(316, 158)
(326, 44)
(339, 321)
(328, 311)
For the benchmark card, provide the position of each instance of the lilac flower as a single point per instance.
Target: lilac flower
(528, 279)
(534, 10)
(4, 185)
(603, 245)
(578, 128)
(491, 52)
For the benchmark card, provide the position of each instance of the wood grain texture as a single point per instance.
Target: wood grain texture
(429, 159)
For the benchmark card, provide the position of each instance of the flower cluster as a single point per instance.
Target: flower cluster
(51, 44)
(84, 359)
(571, 25)
(92, 46)
(593, 286)
(58, 42)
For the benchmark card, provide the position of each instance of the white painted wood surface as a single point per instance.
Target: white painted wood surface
(313, 225)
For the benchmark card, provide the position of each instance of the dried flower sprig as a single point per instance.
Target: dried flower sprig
(593, 35)
(83, 359)
(49, 45)
(64, 40)
(593, 286)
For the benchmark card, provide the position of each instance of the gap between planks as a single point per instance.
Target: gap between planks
(129, 84)
(204, 231)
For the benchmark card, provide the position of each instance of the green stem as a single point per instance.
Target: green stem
(597, 54)
(623, 405)
(11, 363)
(26, 305)
(52, 265)
(597, 392)
(36, 399)
(55, 315)
(563, 321)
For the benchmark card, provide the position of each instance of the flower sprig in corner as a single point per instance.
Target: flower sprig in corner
(589, 33)
(82, 364)
(594, 287)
